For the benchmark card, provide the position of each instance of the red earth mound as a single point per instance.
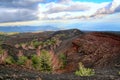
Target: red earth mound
(95, 50)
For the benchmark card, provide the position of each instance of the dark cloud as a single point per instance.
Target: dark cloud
(17, 15)
(18, 10)
(20, 3)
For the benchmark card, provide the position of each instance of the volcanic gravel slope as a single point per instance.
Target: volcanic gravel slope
(97, 50)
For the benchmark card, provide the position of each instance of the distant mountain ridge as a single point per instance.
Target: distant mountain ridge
(27, 28)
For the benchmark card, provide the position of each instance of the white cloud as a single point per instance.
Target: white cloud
(56, 8)
(64, 1)
(25, 10)
(69, 10)
(111, 8)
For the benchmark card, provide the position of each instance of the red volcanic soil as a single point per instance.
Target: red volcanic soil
(95, 50)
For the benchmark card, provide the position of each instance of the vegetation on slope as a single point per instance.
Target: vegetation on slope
(42, 62)
(84, 71)
(63, 59)
(94, 50)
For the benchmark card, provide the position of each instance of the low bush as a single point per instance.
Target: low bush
(45, 63)
(42, 62)
(84, 71)
(9, 60)
(22, 60)
(63, 59)
(35, 61)
(1, 50)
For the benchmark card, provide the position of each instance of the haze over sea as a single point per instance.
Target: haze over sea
(84, 26)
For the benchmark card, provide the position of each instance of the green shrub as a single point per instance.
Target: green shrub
(22, 60)
(63, 59)
(36, 44)
(50, 42)
(1, 50)
(45, 63)
(9, 60)
(42, 62)
(119, 73)
(35, 61)
(84, 71)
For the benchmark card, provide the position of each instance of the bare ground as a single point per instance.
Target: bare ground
(19, 73)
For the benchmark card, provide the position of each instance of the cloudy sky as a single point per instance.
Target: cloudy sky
(83, 14)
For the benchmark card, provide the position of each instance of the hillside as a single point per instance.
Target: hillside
(63, 51)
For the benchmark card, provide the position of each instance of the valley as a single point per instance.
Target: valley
(56, 55)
